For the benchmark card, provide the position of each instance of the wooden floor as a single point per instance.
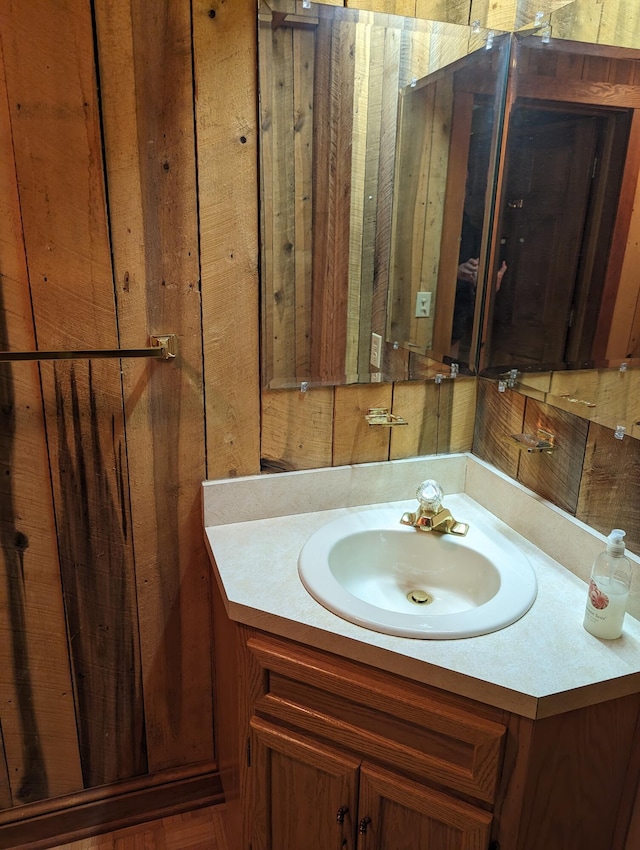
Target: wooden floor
(199, 830)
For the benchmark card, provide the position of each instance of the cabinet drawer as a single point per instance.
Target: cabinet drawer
(395, 722)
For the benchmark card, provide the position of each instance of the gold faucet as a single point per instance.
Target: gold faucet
(431, 515)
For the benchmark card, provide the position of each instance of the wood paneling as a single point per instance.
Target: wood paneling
(554, 476)
(456, 414)
(37, 716)
(103, 504)
(499, 415)
(145, 63)
(297, 429)
(130, 208)
(417, 403)
(225, 59)
(610, 487)
(55, 127)
(591, 474)
(354, 440)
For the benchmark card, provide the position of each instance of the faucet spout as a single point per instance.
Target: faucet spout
(431, 515)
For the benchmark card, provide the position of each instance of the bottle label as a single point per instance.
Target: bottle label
(598, 599)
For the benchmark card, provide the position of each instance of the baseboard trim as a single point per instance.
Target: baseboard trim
(61, 820)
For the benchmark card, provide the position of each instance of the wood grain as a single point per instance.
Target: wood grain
(354, 440)
(402, 810)
(58, 148)
(417, 403)
(204, 829)
(225, 49)
(610, 486)
(146, 64)
(498, 416)
(75, 817)
(333, 124)
(570, 813)
(37, 716)
(297, 429)
(456, 414)
(554, 476)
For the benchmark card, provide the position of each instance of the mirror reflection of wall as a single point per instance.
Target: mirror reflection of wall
(445, 158)
(328, 124)
(565, 221)
(329, 85)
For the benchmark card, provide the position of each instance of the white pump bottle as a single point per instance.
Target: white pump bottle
(608, 589)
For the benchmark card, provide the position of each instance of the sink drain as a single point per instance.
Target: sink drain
(420, 597)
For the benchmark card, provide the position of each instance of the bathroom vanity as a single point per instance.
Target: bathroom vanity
(331, 735)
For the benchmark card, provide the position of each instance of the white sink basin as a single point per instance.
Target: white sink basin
(370, 570)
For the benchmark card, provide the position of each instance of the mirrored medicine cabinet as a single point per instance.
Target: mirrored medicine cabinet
(450, 194)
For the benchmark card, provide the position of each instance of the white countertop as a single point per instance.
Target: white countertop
(543, 664)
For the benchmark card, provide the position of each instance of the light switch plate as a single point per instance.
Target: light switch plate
(376, 350)
(423, 305)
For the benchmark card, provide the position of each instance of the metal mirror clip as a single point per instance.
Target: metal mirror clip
(541, 441)
(381, 416)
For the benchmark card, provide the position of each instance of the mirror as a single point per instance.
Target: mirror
(567, 317)
(330, 227)
(448, 131)
(566, 227)
(330, 80)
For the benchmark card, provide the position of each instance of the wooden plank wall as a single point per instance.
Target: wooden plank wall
(128, 178)
(592, 475)
(328, 119)
(106, 651)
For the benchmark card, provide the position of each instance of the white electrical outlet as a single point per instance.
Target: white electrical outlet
(423, 305)
(376, 350)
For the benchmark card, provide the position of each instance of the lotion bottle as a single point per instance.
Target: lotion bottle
(608, 589)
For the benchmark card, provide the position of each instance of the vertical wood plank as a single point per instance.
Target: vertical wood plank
(451, 11)
(334, 77)
(303, 48)
(384, 175)
(39, 753)
(417, 402)
(279, 301)
(358, 327)
(354, 440)
(5, 787)
(498, 416)
(145, 63)
(610, 488)
(225, 58)
(579, 21)
(54, 112)
(297, 429)
(265, 152)
(620, 24)
(554, 476)
(456, 414)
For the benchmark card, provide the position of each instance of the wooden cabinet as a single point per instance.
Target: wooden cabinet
(310, 796)
(312, 745)
(341, 755)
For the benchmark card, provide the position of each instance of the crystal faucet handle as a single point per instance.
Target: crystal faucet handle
(430, 495)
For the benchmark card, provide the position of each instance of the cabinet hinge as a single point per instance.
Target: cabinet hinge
(248, 752)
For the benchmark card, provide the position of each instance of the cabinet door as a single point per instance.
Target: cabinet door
(396, 813)
(304, 794)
